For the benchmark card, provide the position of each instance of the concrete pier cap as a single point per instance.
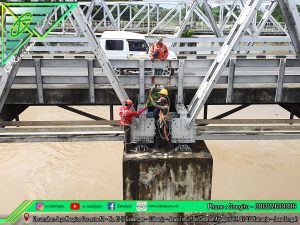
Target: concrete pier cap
(163, 176)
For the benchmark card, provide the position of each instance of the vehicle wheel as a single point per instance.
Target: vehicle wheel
(119, 71)
(168, 72)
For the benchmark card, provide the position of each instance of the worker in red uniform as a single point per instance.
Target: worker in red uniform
(127, 115)
(159, 50)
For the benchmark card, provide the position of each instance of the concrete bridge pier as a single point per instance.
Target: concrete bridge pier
(157, 176)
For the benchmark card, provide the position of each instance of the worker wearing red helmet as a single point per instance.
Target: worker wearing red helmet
(127, 115)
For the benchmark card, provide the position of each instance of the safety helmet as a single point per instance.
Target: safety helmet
(164, 92)
(128, 102)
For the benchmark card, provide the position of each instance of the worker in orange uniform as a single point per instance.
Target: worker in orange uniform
(159, 51)
(127, 115)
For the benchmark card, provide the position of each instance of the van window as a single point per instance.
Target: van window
(138, 45)
(115, 45)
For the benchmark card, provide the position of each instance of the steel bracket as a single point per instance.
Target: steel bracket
(143, 130)
(182, 132)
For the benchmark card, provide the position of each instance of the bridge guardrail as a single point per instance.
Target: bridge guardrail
(201, 45)
(74, 71)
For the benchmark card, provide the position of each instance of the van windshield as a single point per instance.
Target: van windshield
(138, 45)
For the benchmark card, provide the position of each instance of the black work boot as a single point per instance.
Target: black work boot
(157, 143)
(171, 148)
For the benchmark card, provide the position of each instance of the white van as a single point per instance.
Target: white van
(126, 45)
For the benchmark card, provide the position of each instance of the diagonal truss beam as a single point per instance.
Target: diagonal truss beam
(292, 18)
(211, 19)
(7, 81)
(267, 15)
(90, 9)
(99, 53)
(222, 58)
(278, 25)
(263, 21)
(96, 13)
(229, 14)
(108, 13)
(172, 18)
(133, 18)
(80, 112)
(186, 19)
(104, 17)
(145, 17)
(232, 14)
(203, 17)
(163, 19)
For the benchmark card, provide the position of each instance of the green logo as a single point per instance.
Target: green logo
(20, 22)
(20, 25)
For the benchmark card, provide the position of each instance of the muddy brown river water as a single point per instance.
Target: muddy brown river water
(93, 170)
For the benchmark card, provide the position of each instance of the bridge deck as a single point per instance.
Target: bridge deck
(67, 81)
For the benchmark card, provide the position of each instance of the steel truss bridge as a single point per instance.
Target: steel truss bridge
(226, 77)
(166, 17)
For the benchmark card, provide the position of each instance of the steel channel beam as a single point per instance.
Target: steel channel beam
(279, 89)
(54, 130)
(180, 82)
(62, 138)
(100, 122)
(39, 81)
(175, 49)
(229, 94)
(141, 82)
(249, 129)
(247, 121)
(248, 136)
(190, 82)
(91, 75)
